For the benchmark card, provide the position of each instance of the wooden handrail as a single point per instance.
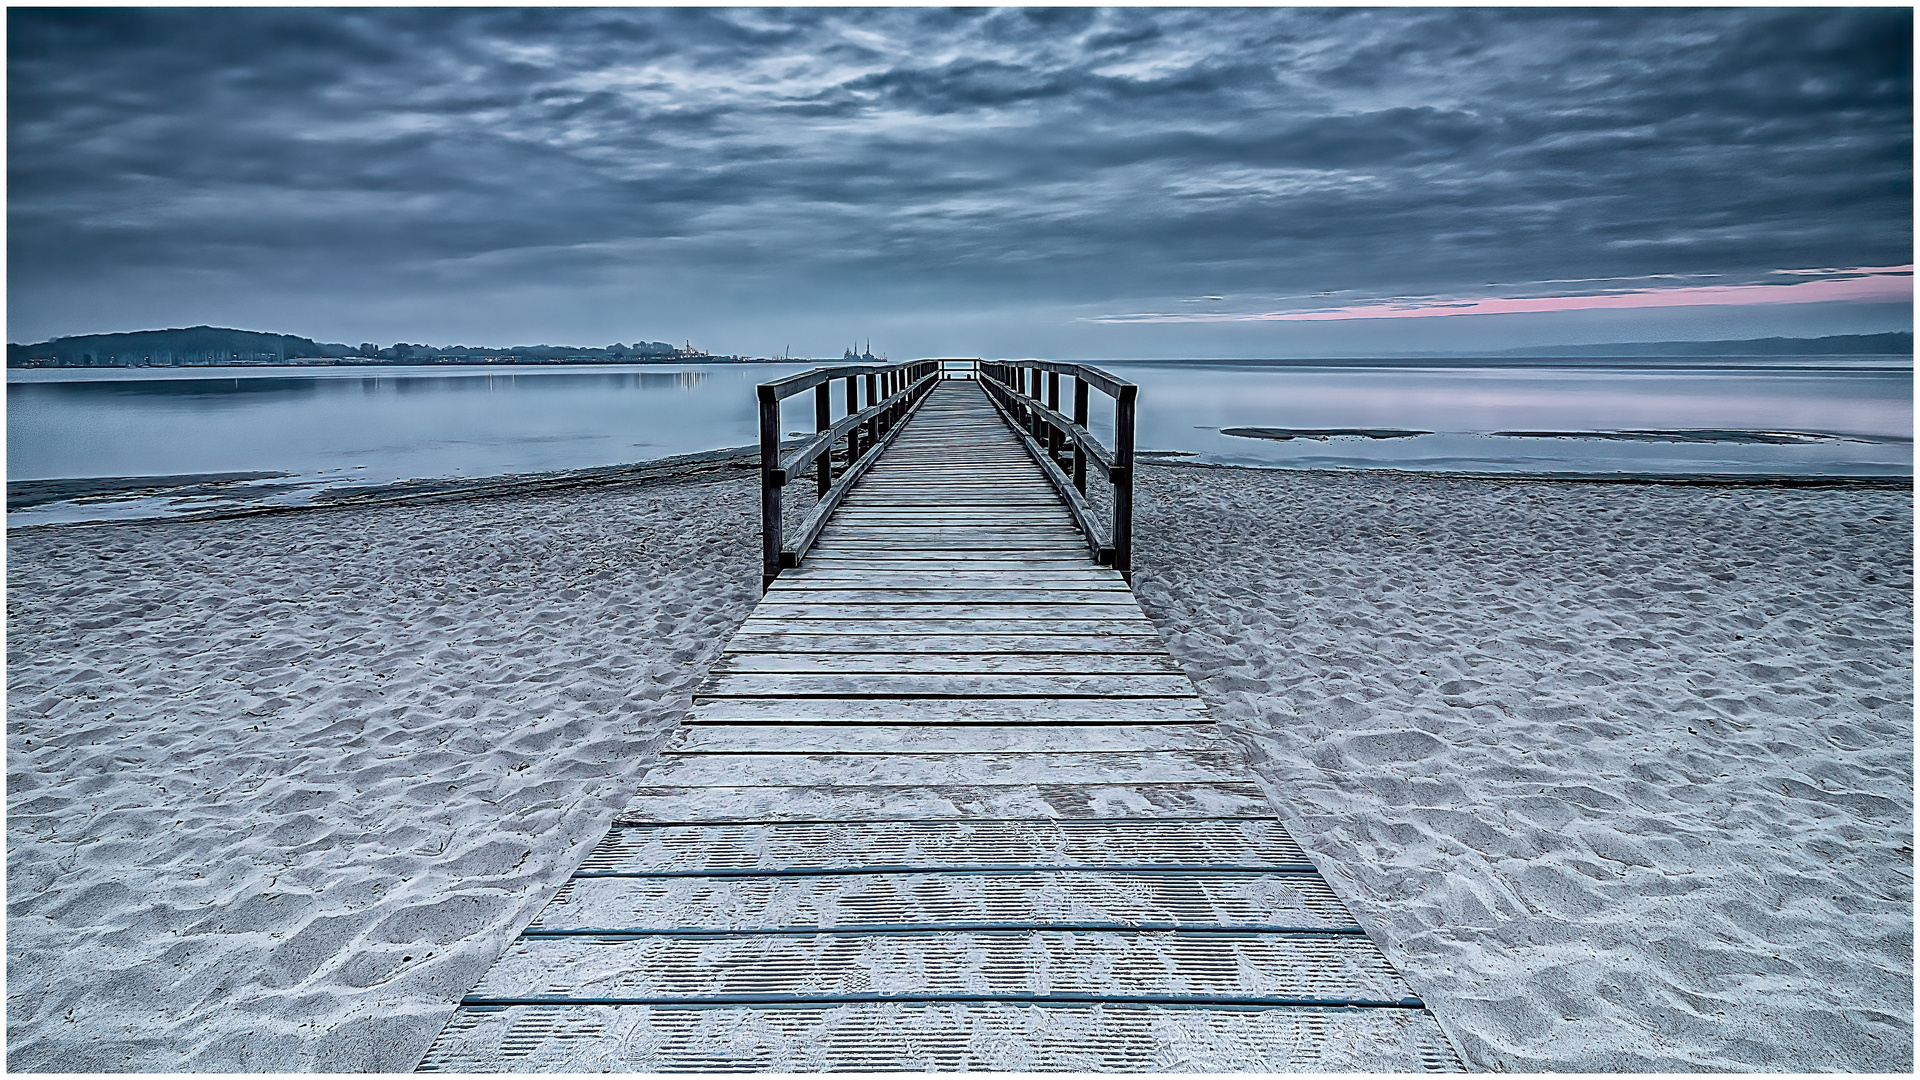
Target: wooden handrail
(893, 392)
(1015, 388)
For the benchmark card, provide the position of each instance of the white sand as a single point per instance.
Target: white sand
(1620, 777)
(280, 789)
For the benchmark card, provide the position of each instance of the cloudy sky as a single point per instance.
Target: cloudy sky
(1000, 182)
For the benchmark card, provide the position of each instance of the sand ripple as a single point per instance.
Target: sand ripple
(1620, 776)
(280, 789)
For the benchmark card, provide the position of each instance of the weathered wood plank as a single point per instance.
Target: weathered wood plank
(957, 593)
(954, 551)
(959, 512)
(971, 710)
(923, 739)
(908, 684)
(783, 609)
(1055, 559)
(927, 625)
(1242, 843)
(1085, 663)
(947, 1037)
(902, 802)
(1017, 964)
(782, 770)
(982, 645)
(947, 535)
(1044, 898)
(810, 576)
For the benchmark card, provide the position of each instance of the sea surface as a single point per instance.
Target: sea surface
(102, 444)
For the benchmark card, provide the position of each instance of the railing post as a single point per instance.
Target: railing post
(873, 396)
(1079, 449)
(1123, 414)
(772, 526)
(822, 420)
(853, 406)
(1054, 436)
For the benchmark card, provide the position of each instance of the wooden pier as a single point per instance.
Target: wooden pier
(947, 802)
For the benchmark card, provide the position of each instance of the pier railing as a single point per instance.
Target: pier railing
(1027, 393)
(892, 392)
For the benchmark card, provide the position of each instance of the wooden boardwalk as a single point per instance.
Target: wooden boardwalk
(946, 802)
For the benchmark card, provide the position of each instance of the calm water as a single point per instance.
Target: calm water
(343, 426)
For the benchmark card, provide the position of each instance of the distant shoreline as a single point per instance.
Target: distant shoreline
(334, 362)
(1770, 362)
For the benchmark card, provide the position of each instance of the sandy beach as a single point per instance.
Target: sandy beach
(1620, 777)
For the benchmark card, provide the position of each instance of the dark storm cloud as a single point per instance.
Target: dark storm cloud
(1073, 156)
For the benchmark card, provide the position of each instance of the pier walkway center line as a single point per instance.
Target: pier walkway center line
(946, 802)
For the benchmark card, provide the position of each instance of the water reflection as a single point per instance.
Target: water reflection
(393, 423)
(336, 425)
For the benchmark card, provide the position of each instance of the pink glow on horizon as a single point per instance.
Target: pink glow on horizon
(1885, 284)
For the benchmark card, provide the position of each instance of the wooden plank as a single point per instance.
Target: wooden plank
(972, 1037)
(954, 521)
(784, 609)
(920, 499)
(809, 577)
(1132, 628)
(1046, 559)
(760, 849)
(953, 526)
(1022, 963)
(935, 535)
(901, 802)
(907, 684)
(958, 548)
(977, 769)
(946, 739)
(1005, 546)
(937, 508)
(951, 514)
(851, 900)
(956, 593)
(983, 645)
(1025, 663)
(975, 710)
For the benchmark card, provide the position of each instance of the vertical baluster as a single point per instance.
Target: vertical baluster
(853, 406)
(822, 420)
(1054, 438)
(1079, 441)
(1123, 412)
(772, 528)
(1030, 386)
(873, 395)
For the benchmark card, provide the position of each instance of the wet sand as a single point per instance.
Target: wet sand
(1620, 777)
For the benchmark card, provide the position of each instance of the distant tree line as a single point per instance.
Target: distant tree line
(213, 346)
(404, 353)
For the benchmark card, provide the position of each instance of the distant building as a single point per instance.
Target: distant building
(866, 357)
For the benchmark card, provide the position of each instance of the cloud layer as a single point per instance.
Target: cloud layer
(743, 175)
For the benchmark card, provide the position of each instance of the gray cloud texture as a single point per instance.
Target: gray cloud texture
(739, 174)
